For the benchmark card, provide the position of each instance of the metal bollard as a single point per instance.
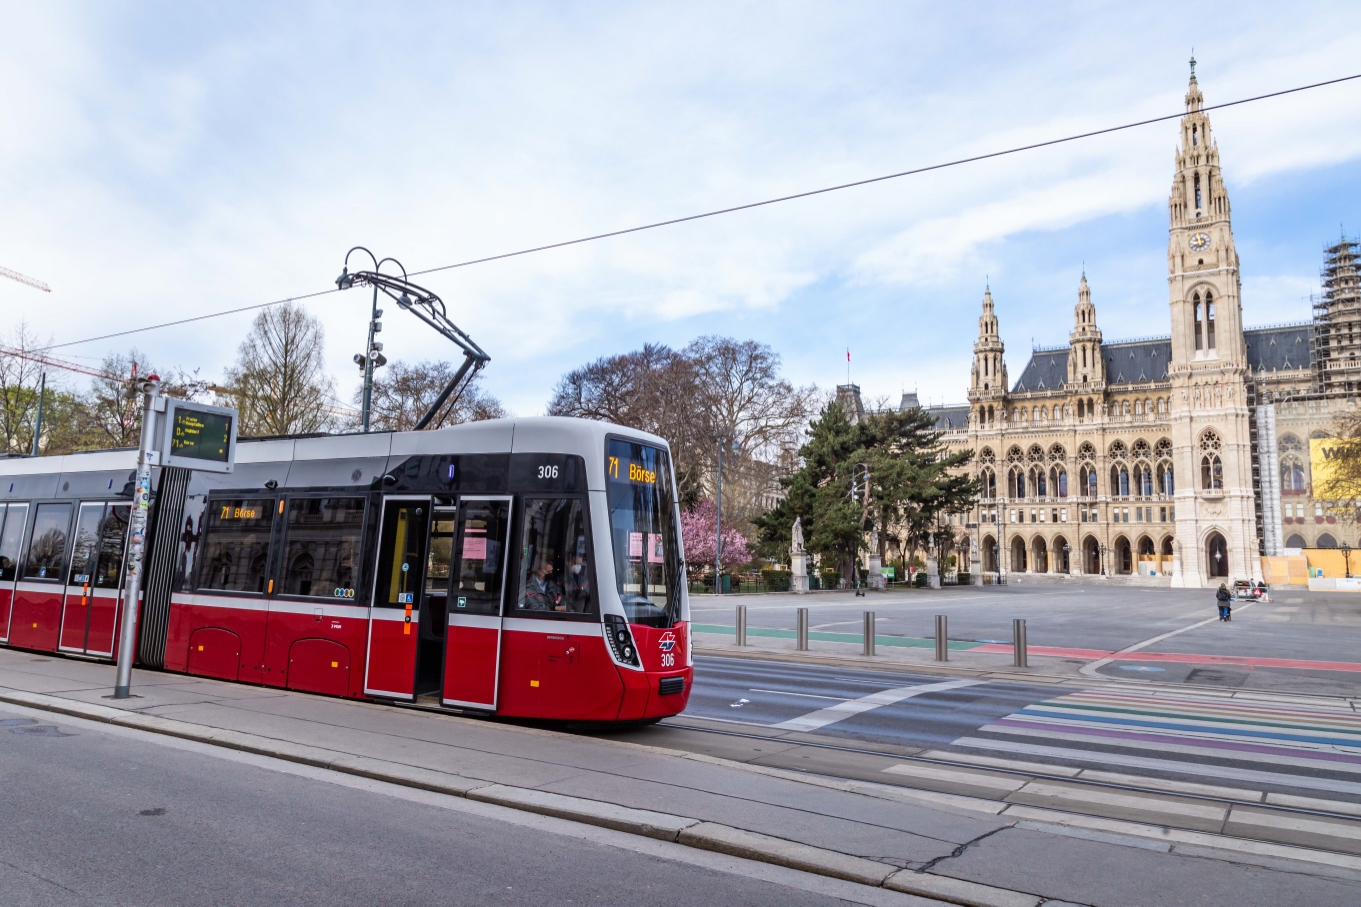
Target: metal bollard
(869, 632)
(801, 629)
(1018, 643)
(942, 638)
(741, 625)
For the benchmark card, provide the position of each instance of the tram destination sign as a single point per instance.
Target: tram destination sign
(199, 436)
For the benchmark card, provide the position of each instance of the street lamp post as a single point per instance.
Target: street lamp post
(1347, 556)
(1067, 558)
(1103, 551)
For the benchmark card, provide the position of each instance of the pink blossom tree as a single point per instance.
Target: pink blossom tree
(699, 533)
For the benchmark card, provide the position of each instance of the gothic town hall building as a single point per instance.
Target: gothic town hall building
(1184, 458)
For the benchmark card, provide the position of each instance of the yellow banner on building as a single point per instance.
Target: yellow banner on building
(1325, 455)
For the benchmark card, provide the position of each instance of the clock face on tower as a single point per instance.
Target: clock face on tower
(1200, 241)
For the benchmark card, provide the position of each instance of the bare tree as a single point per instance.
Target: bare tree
(19, 377)
(652, 389)
(716, 391)
(113, 407)
(278, 382)
(402, 393)
(756, 416)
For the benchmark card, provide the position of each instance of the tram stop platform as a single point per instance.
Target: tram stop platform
(706, 791)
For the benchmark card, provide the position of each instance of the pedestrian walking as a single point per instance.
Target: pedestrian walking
(1224, 597)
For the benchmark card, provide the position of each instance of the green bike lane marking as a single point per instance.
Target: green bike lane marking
(902, 642)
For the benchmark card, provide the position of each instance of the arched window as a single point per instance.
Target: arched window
(1211, 472)
(1145, 481)
(1195, 138)
(1197, 195)
(1061, 482)
(989, 415)
(1057, 413)
(1292, 474)
(1209, 321)
(1041, 485)
(1080, 412)
(1195, 307)
(1211, 468)
(1165, 482)
(1035, 414)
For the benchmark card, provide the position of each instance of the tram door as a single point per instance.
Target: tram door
(94, 588)
(472, 656)
(13, 518)
(398, 587)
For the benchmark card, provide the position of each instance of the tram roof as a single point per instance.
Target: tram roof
(533, 434)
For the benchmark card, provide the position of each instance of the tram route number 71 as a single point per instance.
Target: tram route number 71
(614, 468)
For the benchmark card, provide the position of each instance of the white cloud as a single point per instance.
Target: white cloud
(164, 167)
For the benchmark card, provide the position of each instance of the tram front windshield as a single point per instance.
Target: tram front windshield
(647, 562)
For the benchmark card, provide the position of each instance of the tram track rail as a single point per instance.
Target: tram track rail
(1283, 809)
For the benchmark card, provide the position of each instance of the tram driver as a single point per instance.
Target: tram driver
(543, 592)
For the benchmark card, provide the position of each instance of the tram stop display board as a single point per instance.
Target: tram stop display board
(199, 436)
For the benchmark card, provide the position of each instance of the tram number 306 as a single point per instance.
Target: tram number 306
(669, 659)
(548, 472)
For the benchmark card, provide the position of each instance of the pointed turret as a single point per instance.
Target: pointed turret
(1085, 365)
(989, 368)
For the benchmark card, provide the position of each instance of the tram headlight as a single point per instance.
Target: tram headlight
(621, 640)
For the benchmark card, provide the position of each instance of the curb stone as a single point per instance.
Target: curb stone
(958, 891)
(754, 846)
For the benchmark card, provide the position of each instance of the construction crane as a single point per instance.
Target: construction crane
(27, 281)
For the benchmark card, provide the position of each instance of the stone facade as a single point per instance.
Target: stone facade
(1141, 457)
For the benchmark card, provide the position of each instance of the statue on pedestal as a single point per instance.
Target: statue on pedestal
(798, 559)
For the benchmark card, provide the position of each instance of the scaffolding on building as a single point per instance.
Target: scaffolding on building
(1336, 337)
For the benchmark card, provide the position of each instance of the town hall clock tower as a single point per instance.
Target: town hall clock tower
(1215, 519)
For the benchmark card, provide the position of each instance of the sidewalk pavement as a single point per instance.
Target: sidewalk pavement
(941, 847)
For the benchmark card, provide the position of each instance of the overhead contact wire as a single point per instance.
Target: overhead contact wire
(749, 205)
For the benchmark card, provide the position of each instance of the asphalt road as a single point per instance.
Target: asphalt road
(108, 816)
(1277, 745)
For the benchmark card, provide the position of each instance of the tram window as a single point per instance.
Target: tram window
(441, 552)
(401, 555)
(555, 570)
(85, 551)
(236, 545)
(321, 547)
(480, 544)
(47, 546)
(11, 537)
(113, 533)
(643, 535)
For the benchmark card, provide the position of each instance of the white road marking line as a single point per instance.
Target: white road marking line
(804, 695)
(967, 778)
(843, 710)
(1090, 669)
(1036, 767)
(1222, 772)
(1143, 803)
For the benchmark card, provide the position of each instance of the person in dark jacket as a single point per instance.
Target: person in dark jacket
(1224, 597)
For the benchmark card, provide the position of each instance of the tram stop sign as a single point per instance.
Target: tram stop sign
(198, 436)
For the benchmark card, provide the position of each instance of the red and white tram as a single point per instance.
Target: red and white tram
(523, 567)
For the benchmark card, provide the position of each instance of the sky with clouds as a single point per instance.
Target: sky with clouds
(162, 160)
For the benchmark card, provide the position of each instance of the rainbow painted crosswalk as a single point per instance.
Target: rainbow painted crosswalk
(1317, 746)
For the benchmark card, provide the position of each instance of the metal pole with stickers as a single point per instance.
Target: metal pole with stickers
(174, 433)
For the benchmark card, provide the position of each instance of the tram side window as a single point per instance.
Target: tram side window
(47, 546)
(555, 569)
(113, 534)
(11, 537)
(85, 550)
(321, 548)
(236, 545)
